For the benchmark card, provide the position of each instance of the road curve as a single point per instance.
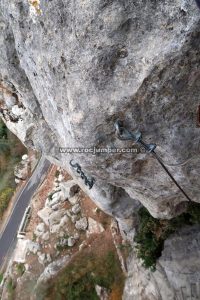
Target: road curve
(22, 201)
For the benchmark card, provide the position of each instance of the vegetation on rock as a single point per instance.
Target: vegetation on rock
(10, 288)
(86, 270)
(11, 150)
(20, 269)
(153, 232)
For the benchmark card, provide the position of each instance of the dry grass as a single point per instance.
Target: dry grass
(97, 264)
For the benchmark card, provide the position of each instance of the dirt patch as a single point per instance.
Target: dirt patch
(96, 264)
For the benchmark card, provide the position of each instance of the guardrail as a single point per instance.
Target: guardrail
(22, 227)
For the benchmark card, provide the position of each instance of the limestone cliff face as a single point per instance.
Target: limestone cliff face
(69, 69)
(177, 275)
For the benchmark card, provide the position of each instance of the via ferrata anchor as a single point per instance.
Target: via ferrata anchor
(124, 134)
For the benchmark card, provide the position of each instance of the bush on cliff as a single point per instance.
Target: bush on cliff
(152, 232)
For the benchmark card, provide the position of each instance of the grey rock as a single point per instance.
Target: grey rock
(61, 233)
(17, 180)
(74, 200)
(63, 242)
(57, 197)
(55, 228)
(52, 269)
(81, 224)
(74, 218)
(41, 258)
(44, 214)
(76, 236)
(94, 227)
(177, 274)
(82, 245)
(71, 241)
(25, 157)
(48, 258)
(74, 68)
(69, 188)
(60, 178)
(102, 292)
(181, 256)
(33, 247)
(45, 236)
(56, 217)
(76, 208)
(69, 213)
(40, 229)
(44, 258)
(55, 206)
(21, 170)
(64, 220)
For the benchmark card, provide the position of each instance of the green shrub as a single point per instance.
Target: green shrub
(34, 237)
(11, 150)
(5, 196)
(57, 173)
(3, 131)
(62, 247)
(83, 288)
(10, 288)
(20, 269)
(1, 277)
(152, 232)
(50, 197)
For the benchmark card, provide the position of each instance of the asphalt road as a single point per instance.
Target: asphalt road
(9, 232)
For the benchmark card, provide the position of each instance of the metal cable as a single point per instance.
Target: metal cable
(124, 134)
(181, 163)
(170, 175)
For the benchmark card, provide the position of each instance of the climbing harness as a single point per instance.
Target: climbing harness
(124, 135)
(88, 182)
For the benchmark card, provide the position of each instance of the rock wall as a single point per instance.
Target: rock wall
(70, 69)
(177, 275)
